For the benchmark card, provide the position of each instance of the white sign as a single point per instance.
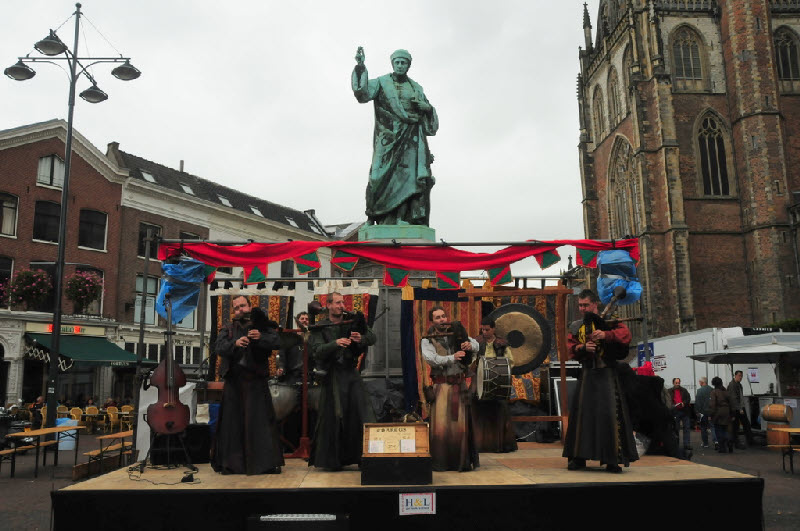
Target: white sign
(375, 447)
(408, 446)
(752, 374)
(791, 402)
(417, 503)
(659, 363)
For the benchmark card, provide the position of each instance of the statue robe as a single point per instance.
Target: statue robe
(400, 178)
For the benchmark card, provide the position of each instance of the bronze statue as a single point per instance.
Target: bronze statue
(400, 179)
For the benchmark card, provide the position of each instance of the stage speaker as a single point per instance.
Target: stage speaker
(167, 449)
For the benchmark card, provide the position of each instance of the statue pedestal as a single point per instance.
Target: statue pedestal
(401, 233)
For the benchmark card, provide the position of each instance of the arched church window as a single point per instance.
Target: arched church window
(713, 157)
(786, 51)
(686, 55)
(623, 192)
(598, 114)
(614, 104)
(627, 64)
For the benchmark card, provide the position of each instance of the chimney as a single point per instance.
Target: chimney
(181, 170)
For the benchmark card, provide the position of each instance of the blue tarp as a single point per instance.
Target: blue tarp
(183, 282)
(617, 268)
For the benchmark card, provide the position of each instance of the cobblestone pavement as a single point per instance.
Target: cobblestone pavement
(25, 501)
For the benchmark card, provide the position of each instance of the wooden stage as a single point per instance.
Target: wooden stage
(530, 487)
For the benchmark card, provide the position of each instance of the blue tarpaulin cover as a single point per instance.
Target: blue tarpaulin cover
(183, 282)
(617, 268)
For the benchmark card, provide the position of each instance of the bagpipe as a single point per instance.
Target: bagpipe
(459, 335)
(606, 350)
(351, 322)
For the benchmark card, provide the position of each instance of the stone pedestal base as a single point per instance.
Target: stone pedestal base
(401, 233)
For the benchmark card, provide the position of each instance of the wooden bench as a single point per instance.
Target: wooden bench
(11, 455)
(99, 455)
(787, 450)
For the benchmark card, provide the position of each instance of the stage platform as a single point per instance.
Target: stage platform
(530, 488)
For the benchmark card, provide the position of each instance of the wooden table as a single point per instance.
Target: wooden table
(788, 449)
(122, 435)
(37, 434)
(92, 418)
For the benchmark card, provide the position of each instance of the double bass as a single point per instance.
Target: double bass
(168, 415)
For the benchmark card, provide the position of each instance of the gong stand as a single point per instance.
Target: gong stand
(475, 295)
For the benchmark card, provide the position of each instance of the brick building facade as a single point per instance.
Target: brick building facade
(113, 198)
(690, 141)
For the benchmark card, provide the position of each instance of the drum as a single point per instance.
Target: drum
(494, 379)
(284, 398)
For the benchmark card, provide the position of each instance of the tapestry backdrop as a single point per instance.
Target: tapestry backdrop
(460, 305)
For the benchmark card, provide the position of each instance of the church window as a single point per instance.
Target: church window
(686, 55)
(788, 59)
(713, 158)
(623, 192)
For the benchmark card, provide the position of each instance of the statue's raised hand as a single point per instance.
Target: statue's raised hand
(360, 55)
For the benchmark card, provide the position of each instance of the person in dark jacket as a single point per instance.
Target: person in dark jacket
(680, 410)
(721, 415)
(246, 441)
(702, 406)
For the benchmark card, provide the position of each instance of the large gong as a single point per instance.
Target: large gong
(527, 333)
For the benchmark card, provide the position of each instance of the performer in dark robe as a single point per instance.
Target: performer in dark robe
(452, 440)
(494, 431)
(599, 423)
(246, 440)
(344, 405)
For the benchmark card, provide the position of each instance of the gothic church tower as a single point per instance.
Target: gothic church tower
(690, 140)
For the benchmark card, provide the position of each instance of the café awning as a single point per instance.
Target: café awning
(86, 349)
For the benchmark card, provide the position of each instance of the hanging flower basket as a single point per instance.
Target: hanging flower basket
(3, 294)
(29, 288)
(83, 288)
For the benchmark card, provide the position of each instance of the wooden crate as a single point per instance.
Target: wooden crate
(386, 464)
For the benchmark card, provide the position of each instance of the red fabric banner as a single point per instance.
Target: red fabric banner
(421, 258)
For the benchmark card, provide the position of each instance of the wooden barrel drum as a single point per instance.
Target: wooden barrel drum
(777, 413)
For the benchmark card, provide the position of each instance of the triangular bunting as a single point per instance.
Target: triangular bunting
(210, 273)
(500, 275)
(395, 277)
(254, 275)
(307, 263)
(344, 261)
(586, 258)
(448, 280)
(547, 258)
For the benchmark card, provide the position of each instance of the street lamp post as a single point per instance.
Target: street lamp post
(51, 47)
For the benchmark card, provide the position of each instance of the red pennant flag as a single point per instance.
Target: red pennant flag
(307, 263)
(394, 277)
(500, 275)
(255, 274)
(586, 258)
(344, 261)
(547, 258)
(448, 280)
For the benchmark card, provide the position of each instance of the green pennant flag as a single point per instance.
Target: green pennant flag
(307, 263)
(586, 258)
(209, 272)
(344, 261)
(394, 277)
(254, 275)
(547, 259)
(448, 280)
(500, 275)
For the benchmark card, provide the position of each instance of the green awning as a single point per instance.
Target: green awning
(87, 348)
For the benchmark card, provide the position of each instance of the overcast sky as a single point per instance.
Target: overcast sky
(256, 95)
